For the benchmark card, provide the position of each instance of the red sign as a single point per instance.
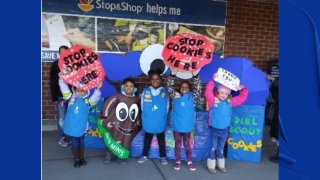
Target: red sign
(81, 67)
(187, 52)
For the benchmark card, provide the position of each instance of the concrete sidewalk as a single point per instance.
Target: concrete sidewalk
(57, 164)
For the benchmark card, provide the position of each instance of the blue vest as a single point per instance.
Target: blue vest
(221, 114)
(154, 112)
(183, 113)
(75, 122)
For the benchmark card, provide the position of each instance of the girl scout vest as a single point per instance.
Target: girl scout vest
(221, 114)
(183, 113)
(75, 123)
(154, 111)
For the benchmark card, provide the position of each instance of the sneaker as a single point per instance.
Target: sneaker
(274, 140)
(163, 161)
(122, 161)
(107, 159)
(177, 165)
(83, 161)
(191, 166)
(63, 143)
(142, 159)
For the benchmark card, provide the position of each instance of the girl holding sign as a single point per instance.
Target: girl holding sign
(76, 119)
(183, 116)
(220, 113)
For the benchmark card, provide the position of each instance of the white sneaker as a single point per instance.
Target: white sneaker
(163, 161)
(63, 143)
(142, 159)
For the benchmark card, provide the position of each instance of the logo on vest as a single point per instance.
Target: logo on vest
(76, 111)
(154, 108)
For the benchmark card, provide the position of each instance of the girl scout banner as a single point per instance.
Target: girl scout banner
(245, 133)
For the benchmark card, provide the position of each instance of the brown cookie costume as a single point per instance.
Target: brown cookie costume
(121, 117)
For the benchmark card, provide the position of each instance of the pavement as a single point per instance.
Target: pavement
(57, 164)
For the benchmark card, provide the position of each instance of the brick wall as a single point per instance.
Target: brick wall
(251, 32)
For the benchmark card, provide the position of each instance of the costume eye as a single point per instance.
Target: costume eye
(133, 112)
(122, 111)
(151, 58)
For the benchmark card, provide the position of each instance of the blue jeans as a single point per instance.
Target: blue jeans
(77, 142)
(61, 106)
(219, 138)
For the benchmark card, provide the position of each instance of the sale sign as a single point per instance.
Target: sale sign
(227, 79)
(81, 67)
(187, 52)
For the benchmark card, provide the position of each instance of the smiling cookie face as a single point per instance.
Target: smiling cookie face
(122, 118)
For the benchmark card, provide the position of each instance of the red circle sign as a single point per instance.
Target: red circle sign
(81, 67)
(187, 52)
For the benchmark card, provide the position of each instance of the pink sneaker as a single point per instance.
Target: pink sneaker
(191, 166)
(177, 165)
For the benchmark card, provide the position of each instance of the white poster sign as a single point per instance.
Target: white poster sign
(227, 79)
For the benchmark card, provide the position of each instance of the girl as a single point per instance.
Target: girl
(76, 120)
(121, 117)
(183, 116)
(154, 106)
(220, 112)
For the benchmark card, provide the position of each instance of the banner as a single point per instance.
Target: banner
(116, 148)
(183, 11)
(81, 67)
(246, 133)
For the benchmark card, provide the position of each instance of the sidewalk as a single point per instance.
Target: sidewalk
(57, 164)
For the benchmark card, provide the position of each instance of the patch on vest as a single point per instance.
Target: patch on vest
(147, 97)
(72, 101)
(177, 95)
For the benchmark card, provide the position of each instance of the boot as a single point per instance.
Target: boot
(82, 160)
(211, 164)
(221, 165)
(76, 157)
(76, 163)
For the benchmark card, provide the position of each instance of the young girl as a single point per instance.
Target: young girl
(220, 104)
(183, 116)
(154, 106)
(76, 120)
(121, 116)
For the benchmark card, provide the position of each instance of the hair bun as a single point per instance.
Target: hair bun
(154, 71)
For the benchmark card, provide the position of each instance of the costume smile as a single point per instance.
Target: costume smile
(122, 130)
